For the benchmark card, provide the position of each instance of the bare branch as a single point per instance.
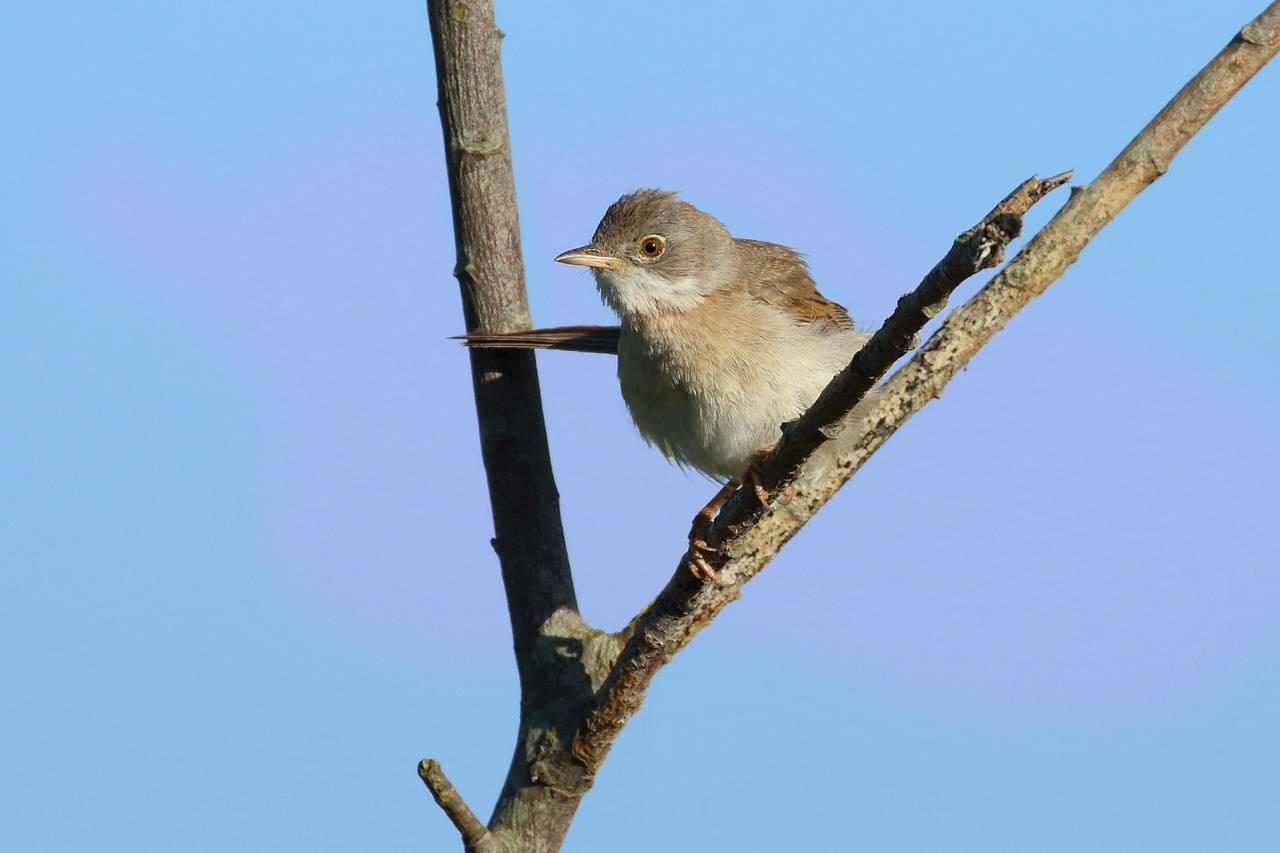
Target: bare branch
(475, 835)
(526, 506)
(749, 539)
(979, 248)
(551, 640)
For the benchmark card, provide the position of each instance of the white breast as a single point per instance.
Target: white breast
(709, 391)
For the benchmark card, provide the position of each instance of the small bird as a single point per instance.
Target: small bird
(722, 340)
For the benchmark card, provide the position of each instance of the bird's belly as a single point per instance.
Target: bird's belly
(715, 426)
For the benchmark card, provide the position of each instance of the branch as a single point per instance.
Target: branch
(475, 835)
(551, 641)
(749, 538)
(979, 248)
(513, 442)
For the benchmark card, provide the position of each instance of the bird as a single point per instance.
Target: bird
(721, 339)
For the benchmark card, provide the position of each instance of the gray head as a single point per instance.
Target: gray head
(653, 253)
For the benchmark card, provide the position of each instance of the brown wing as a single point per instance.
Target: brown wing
(779, 277)
(601, 339)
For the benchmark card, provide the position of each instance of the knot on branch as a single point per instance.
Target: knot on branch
(480, 140)
(982, 247)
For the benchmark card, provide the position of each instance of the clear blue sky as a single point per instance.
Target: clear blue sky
(246, 578)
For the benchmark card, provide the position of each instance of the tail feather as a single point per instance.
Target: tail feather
(601, 339)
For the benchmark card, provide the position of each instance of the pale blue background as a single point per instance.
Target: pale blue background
(246, 574)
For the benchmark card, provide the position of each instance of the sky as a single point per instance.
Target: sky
(245, 578)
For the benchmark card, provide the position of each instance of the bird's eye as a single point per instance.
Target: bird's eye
(652, 246)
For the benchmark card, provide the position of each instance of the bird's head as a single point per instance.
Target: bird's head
(654, 254)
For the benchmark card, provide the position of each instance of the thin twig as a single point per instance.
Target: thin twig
(475, 835)
(979, 248)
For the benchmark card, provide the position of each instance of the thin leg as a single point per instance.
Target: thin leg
(698, 564)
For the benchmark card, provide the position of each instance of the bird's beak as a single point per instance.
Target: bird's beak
(587, 256)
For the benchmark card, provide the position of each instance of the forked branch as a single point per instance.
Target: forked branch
(577, 689)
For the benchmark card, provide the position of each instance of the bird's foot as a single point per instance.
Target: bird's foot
(699, 532)
(752, 475)
(699, 566)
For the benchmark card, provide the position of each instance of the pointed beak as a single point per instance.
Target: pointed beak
(587, 256)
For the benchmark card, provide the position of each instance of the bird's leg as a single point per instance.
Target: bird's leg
(698, 545)
(698, 564)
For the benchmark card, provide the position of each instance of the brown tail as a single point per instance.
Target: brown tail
(602, 339)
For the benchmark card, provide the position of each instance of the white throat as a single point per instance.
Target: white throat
(635, 291)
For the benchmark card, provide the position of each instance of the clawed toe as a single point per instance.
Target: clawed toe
(699, 567)
(752, 474)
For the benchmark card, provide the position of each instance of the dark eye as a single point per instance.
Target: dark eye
(652, 246)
